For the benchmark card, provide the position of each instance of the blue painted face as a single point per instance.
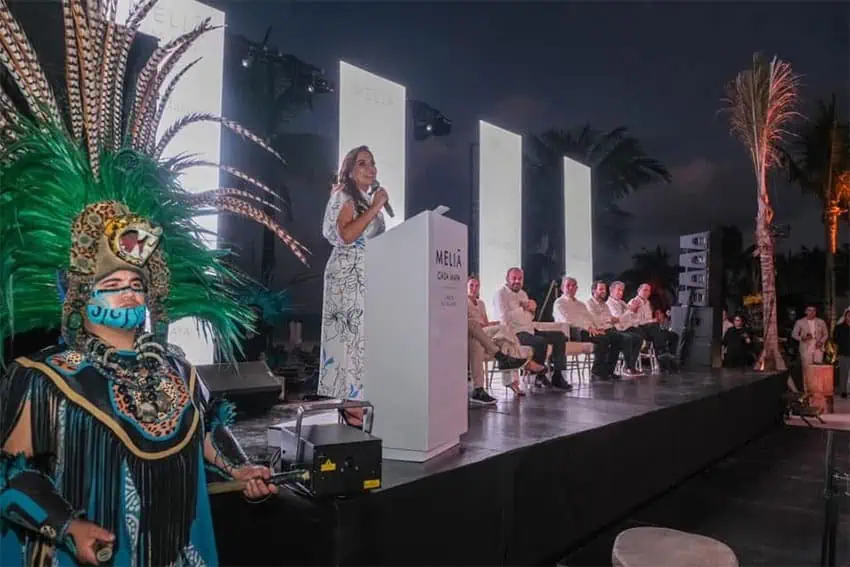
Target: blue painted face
(106, 308)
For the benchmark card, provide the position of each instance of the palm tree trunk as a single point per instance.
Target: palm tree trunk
(831, 225)
(771, 357)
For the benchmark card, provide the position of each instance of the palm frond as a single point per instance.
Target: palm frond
(760, 102)
(820, 154)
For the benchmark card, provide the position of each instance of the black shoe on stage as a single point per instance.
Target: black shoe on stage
(542, 382)
(480, 397)
(559, 382)
(508, 362)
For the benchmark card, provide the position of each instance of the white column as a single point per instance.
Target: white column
(372, 112)
(578, 223)
(199, 91)
(499, 207)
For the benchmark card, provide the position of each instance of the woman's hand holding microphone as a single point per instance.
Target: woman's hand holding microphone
(379, 199)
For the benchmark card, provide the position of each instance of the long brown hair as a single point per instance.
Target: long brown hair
(348, 185)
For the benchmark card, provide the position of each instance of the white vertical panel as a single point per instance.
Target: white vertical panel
(199, 91)
(578, 224)
(500, 206)
(372, 112)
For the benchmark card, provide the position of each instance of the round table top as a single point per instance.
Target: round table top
(664, 547)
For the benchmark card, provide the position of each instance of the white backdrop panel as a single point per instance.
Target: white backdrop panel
(372, 112)
(500, 206)
(199, 91)
(578, 223)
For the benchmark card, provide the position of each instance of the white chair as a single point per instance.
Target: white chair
(579, 356)
(663, 547)
(491, 366)
(647, 354)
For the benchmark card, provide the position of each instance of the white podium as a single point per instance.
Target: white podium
(416, 336)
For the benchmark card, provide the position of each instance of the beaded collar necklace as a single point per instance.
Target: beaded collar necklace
(140, 375)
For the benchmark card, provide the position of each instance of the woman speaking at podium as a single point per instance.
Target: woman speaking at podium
(353, 215)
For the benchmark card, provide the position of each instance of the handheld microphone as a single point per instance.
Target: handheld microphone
(375, 186)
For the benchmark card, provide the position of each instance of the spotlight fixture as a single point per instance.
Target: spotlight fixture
(428, 121)
(301, 76)
(251, 58)
(311, 79)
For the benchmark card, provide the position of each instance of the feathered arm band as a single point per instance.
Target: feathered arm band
(229, 455)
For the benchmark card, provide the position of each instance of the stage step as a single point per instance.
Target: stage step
(663, 547)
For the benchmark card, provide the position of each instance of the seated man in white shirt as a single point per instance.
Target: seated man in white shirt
(663, 340)
(567, 309)
(625, 323)
(515, 310)
(621, 339)
(480, 343)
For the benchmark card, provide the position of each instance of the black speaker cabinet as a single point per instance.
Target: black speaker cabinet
(249, 385)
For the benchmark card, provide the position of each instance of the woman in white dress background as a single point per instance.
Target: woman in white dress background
(352, 217)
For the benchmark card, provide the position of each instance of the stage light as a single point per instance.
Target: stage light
(312, 79)
(249, 60)
(428, 121)
(291, 73)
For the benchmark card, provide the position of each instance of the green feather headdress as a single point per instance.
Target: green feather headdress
(56, 161)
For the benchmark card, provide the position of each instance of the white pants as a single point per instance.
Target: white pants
(488, 341)
(810, 354)
(480, 345)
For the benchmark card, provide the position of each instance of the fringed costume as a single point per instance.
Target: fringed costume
(117, 436)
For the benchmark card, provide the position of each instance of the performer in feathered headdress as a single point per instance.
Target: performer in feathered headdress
(108, 441)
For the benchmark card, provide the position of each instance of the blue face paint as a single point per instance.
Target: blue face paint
(100, 313)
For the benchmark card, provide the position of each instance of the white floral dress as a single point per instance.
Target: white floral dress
(343, 340)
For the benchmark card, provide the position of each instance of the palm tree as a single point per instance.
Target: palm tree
(760, 102)
(737, 261)
(619, 166)
(819, 162)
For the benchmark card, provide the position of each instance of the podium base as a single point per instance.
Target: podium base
(413, 456)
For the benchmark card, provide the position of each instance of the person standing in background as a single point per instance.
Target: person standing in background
(811, 333)
(841, 336)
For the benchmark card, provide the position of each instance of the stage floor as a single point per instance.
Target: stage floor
(533, 477)
(541, 416)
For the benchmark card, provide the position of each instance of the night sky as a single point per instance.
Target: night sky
(657, 68)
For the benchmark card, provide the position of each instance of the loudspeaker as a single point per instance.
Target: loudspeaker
(251, 386)
(701, 278)
(703, 343)
(697, 297)
(702, 352)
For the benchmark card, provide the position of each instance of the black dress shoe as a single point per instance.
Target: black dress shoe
(542, 382)
(506, 362)
(559, 382)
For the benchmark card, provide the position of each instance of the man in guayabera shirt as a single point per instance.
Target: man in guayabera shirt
(626, 320)
(585, 328)
(622, 340)
(513, 308)
(645, 323)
